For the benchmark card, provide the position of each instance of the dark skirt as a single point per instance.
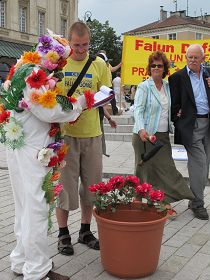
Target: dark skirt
(160, 171)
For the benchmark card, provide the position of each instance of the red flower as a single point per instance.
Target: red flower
(61, 156)
(11, 72)
(152, 138)
(132, 181)
(143, 189)
(102, 187)
(72, 99)
(53, 161)
(156, 195)
(36, 80)
(54, 129)
(61, 63)
(117, 182)
(4, 116)
(89, 99)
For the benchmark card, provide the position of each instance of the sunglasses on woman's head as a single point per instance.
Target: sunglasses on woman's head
(157, 65)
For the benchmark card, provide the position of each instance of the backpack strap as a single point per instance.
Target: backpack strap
(81, 75)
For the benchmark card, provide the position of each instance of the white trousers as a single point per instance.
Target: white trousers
(30, 255)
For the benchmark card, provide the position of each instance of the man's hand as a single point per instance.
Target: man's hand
(112, 123)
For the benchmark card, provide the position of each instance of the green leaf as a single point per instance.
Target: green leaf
(59, 75)
(66, 105)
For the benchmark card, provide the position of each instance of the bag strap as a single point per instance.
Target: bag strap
(81, 75)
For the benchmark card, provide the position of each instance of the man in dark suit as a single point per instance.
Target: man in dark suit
(190, 95)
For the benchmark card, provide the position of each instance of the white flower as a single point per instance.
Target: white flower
(62, 164)
(13, 131)
(44, 156)
(7, 84)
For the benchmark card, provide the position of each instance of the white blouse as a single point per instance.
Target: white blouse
(163, 123)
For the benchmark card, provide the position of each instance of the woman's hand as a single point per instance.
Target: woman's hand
(143, 135)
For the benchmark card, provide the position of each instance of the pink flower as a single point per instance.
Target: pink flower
(117, 182)
(49, 65)
(156, 195)
(22, 104)
(57, 189)
(143, 189)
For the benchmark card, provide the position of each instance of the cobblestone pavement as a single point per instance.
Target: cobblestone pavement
(185, 252)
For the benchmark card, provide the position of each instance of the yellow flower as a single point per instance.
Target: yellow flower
(31, 57)
(52, 56)
(48, 99)
(57, 90)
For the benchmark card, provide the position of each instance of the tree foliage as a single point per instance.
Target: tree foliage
(103, 37)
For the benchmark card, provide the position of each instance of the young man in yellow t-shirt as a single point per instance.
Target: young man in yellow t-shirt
(84, 159)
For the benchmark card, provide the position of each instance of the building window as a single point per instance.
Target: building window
(41, 21)
(198, 36)
(23, 18)
(2, 13)
(156, 37)
(172, 36)
(63, 27)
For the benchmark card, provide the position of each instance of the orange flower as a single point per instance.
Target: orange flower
(31, 57)
(64, 149)
(2, 109)
(55, 176)
(34, 97)
(48, 99)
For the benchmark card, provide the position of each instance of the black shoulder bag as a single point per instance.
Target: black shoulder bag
(81, 75)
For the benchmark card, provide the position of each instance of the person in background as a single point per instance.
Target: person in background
(84, 159)
(119, 91)
(132, 94)
(190, 95)
(112, 69)
(152, 115)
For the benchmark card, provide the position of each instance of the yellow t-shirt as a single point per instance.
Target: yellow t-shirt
(88, 124)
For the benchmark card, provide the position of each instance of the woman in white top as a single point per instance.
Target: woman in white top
(152, 116)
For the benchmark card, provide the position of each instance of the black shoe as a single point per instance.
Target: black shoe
(200, 213)
(64, 245)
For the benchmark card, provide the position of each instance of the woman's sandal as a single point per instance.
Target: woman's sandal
(64, 245)
(89, 239)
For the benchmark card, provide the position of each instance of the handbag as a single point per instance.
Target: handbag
(81, 75)
(148, 155)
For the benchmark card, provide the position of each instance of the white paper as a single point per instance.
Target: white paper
(103, 96)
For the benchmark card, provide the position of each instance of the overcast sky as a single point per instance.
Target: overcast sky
(124, 15)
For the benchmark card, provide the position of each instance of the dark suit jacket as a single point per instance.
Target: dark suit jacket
(182, 97)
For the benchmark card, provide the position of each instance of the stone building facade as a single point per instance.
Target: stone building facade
(23, 21)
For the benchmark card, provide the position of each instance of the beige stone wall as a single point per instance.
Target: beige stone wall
(182, 33)
(54, 10)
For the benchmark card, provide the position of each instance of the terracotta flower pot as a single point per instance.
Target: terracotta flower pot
(130, 240)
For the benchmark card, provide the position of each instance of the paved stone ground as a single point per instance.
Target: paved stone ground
(185, 252)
